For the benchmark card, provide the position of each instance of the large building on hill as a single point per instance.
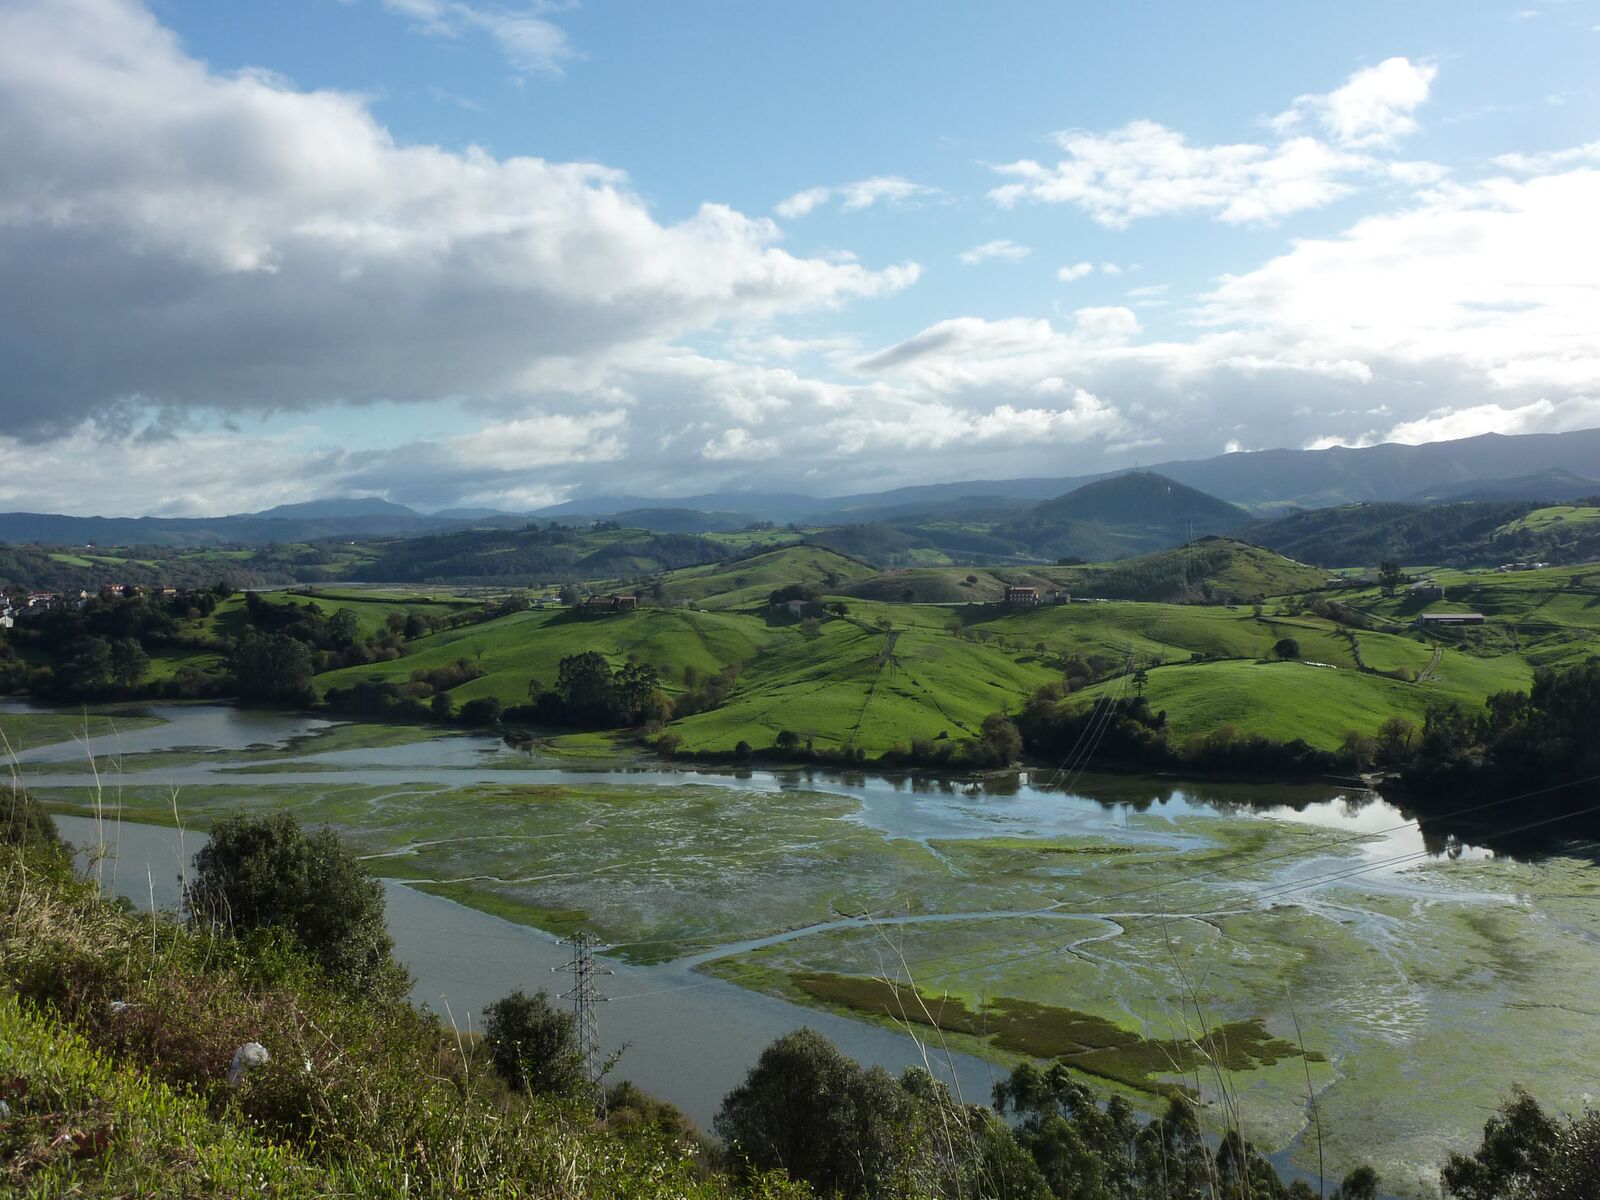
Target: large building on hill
(1022, 597)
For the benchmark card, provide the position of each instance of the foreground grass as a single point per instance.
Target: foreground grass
(116, 1032)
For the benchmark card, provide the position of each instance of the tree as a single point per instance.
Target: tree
(583, 681)
(273, 668)
(1286, 648)
(1395, 738)
(129, 662)
(1001, 737)
(344, 628)
(808, 1109)
(1528, 1155)
(569, 594)
(532, 1046)
(787, 739)
(441, 705)
(1140, 678)
(485, 710)
(1390, 576)
(267, 872)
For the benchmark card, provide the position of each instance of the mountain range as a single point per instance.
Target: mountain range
(1553, 467)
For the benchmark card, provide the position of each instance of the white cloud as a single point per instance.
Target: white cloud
(738, 444)
(531, 44)
(170, 235)
(1000, 248)
(1110, 268)
(1145, 169)
(1550, 160)
(852, 197)
(1500, 281)
(1079, 270)
(1541, 416)
(1373, 109)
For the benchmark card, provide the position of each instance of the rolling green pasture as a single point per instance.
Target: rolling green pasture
(749, 581)
(1556, 514)
(840, 689)
(530, 645)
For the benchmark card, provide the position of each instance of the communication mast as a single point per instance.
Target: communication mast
(584, 996)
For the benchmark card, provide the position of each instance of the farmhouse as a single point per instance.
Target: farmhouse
(1022, 597)
(609, 604)
(1435, 620)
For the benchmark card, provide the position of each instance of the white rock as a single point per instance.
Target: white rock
(245, 1058)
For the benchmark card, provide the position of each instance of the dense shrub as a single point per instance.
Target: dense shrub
(266, 872)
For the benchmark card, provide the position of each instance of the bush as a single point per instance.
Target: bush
(532, 1046)
(24, 823)
(266, 872)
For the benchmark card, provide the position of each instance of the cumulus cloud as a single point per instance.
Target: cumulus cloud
(1374, 108)
(530, 43)
(852, 197)
(1145, 169)
(1498, 280)
(171, 235)
(1079, 270)
(1000, 248)
(1550, 160)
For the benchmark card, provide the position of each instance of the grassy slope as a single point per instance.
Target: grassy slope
(1287, 700)
(1556, 514)
(1231, 567)
(89, 1127)
(748, 581)
(531, 645)
(838, 690)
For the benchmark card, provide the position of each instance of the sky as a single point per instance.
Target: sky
(490, 253)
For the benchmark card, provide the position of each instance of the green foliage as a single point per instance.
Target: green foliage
(533, 1047)
(1086, 1152)
(264, 872)
(25, 824)
(809, 1110)
(273, 668)
(1528, 1155)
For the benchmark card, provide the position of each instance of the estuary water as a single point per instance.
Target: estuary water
(683, 1035)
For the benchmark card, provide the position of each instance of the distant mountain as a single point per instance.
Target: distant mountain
(1554, 485)
(1364, 535)
(1265, 481)
(765, 506)
(1142, 498)
(338, 507)
(477, 514)
(1121, 516)
(681, 520)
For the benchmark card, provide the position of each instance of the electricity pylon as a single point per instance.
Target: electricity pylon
(584, 996)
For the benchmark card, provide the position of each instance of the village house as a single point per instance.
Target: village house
(1022, 597)
(1437, 620)
(609, 604)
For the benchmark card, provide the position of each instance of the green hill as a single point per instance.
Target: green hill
(1124, 515)
(514, 649)
(855, 686)
(745, 581)
(1465, 534)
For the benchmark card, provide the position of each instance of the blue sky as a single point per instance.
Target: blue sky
(455, 251)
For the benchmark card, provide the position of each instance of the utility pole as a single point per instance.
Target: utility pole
(584, 996)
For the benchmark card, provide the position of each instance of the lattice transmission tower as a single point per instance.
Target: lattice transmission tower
(585, 996)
